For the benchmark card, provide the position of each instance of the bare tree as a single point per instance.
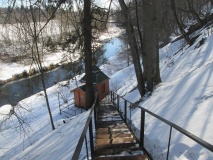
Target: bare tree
(194, 13)
(133, 48)
(33, 28)
(87, 32)
(140, 37)
(183, 32)
(151, 43)
(16, 116)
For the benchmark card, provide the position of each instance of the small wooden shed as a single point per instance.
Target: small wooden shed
(100, 83)
(80, 96)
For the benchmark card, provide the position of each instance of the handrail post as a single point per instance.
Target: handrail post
(118, 103)
(142, 128)
(91, 138)
(95, 112)
(130, 116)
(125, 110)
(113, 96)
(170, 134)
(86, 146)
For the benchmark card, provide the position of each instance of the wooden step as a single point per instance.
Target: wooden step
(133, 157)
(113, 113)
(109, 136)
(109, 123)
(114, 132)
(115, 141)
(118, 151)
(112, 146)
(112, 129)
(109, 118)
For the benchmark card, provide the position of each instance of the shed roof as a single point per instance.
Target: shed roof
(97, 75)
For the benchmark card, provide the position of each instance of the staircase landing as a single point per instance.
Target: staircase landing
(114, 140)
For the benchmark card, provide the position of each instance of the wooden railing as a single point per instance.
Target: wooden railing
(116, 100)
(88, 128)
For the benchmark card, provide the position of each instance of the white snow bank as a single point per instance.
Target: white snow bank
(4, 111)
(185, 97)
(58, 144)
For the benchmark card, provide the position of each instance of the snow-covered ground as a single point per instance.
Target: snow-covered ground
(184, 97)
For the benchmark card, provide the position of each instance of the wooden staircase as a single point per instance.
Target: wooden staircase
(114, 140)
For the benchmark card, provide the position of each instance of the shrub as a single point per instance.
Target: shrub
(24, 74)
(32, 71)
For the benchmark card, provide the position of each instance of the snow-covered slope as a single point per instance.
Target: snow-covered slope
(58, 144)
(185, 97)
(31, 123)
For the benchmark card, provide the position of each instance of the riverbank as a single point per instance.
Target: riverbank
(17, 70)
(24, 84)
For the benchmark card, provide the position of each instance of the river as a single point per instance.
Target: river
(13, 92)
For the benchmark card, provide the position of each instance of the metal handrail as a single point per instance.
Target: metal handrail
(172, 125)
(87, 125)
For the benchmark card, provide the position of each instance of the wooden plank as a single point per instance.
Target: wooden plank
(117, 140)
(105, 136)
(113, 132)
(137, 157)
(108, 146)
(113, 129)
(117, 151)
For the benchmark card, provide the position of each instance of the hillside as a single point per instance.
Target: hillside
(184, 97)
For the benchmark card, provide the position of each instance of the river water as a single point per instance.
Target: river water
(113, 47)
(13, 92)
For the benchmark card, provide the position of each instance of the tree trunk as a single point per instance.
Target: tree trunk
(47, 101)
(184, 34)
(194, 13)
(141, 41)
(156, 74)
(133, 48)
(38, 62)
(149, 41)
(156, 59)
(87, 32)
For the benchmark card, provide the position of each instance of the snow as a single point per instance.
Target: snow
(36, 124)
(184, 97)
(5, 110)
(8, 70)
(60, 143)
